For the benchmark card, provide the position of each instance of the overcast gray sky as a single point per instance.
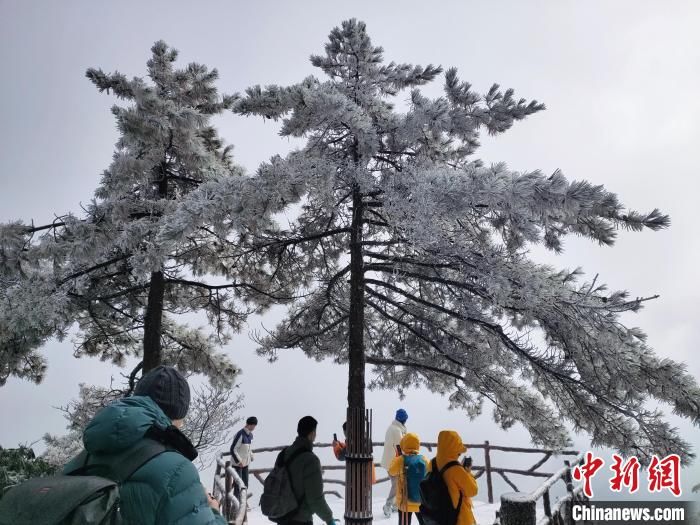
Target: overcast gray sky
(620, 81)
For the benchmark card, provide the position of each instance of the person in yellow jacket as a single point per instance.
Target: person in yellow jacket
(409, 469)
(459, 480)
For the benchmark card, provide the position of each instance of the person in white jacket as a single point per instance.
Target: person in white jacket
(392, 439)
(241, 451)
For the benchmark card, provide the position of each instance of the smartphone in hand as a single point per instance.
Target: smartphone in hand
(467, 462)
(335, 437)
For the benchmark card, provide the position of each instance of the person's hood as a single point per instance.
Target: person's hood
(122, 423)
(449, 448)
(410, 443)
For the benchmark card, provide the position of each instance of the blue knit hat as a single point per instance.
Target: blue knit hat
(401, 415)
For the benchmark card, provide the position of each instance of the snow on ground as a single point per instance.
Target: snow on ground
(484, 513)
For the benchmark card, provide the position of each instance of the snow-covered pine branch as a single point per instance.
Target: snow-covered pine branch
(412, 255)
(157, 241)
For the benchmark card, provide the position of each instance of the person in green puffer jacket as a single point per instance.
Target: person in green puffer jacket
(306, 478)
(166, 489)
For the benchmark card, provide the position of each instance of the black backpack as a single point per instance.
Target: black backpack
(278, 501)
(87, 494)
(436, 505)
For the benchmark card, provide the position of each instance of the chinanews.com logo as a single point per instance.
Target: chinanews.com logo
(612, 512)
(661, 475)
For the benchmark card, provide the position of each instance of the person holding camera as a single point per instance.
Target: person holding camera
(460, 482)
(340, 449)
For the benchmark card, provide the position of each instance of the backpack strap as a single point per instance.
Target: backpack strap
(445, 467)
(287, 461)
(77, 465)
(121, 467)
(442, 471)
(136, 458)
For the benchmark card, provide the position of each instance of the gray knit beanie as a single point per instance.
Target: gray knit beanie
(168, 388)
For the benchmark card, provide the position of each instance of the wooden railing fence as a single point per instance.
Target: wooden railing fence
(519, 508)
(235, 510)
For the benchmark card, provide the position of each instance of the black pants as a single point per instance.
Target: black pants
(243, 474)
(405, 517)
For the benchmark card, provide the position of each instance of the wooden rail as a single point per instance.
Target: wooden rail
(233, 509)
(519, 508)
(486, 469)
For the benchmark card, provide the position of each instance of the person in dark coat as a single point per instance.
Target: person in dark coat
(166, 490)
(305, 476)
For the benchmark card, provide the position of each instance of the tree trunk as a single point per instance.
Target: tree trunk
(153, 320)
(153, 323)
(356, 350)
(358, 473)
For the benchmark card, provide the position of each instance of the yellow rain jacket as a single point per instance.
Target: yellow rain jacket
(410, 444)
(458, 480)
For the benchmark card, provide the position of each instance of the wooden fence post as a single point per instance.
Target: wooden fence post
(568, 478)
(487, 466)
(217, 475)
(568, 506)
(547, 504)
(227, 485)
(517, 508)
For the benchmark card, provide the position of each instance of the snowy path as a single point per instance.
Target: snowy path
(485, 513)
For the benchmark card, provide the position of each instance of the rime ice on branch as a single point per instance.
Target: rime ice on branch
(411, 255)
(147, 249)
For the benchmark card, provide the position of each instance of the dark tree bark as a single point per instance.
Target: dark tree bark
(358, 503)
(356, 350)
(153, 320)
(153, 323)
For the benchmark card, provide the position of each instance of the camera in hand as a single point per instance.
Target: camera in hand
(467, 462)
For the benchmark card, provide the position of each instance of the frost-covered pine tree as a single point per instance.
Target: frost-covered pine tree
(146, 250)
(20, 464)
(412, 255)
